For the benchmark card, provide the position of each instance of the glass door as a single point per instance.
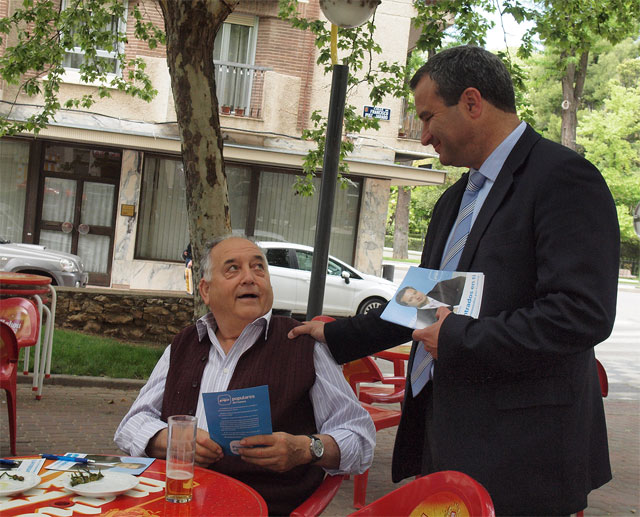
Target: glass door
(78, 209)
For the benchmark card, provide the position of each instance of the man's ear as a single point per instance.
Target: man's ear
(472, 102)
(203, 287)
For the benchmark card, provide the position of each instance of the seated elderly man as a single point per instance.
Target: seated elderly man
(317, 421)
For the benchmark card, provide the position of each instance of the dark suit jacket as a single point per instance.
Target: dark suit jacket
(516, 399)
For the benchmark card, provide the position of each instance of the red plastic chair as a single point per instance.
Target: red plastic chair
(24, 319)
(441, 493)
(366, 370)
(8, 374)
(604, 381)
(382, 418)
(320, 499)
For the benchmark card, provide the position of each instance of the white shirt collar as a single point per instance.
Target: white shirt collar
(208, 323)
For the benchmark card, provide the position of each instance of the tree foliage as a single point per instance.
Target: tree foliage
(360, 49)
(610, 137)
(39, 34)
(37, 37)
(569, 29)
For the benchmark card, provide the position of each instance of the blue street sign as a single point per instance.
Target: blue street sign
(375, 112)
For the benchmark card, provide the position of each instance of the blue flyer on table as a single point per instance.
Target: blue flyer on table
(236, 414)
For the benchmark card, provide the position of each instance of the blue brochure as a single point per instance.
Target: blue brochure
(423, 291)
(122, 464)
(236, 414)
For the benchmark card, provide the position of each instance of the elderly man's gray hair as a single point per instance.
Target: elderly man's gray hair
(205, 264)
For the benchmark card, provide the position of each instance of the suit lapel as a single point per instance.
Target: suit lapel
(439, 228)
(497, 194)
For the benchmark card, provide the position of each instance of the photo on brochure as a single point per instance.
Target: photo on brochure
(423, 291)
(122, 464)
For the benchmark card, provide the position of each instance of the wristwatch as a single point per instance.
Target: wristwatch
(316, 447)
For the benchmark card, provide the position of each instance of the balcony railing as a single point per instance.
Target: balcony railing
(240, 88)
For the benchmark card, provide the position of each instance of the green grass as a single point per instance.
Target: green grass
(75, 353)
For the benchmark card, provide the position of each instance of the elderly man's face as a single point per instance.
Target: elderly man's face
(414, 298)
(240, 287)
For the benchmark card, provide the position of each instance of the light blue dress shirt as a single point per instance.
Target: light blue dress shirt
(490, 169)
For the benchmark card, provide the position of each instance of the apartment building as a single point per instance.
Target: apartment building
(108, 184)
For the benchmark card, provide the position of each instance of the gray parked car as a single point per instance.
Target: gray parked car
(63, 268)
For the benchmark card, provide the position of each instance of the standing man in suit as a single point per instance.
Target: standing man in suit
(514, 399)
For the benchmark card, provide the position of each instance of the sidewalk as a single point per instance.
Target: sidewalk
(83, 417)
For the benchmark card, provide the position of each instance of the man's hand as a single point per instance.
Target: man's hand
(429, 336)
(207, 451)
(278, 451)
(314, 328)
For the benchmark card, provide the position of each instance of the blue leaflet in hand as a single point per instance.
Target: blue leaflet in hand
(236, 414)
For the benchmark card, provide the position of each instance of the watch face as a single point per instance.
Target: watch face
(317, 447)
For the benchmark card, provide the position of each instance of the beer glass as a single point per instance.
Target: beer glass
(181, 452)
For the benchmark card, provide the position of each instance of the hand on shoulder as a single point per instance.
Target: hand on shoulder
(315, 329)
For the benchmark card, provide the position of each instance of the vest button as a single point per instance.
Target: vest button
(204, 358)
(194, 384)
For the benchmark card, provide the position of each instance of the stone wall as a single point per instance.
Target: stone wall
(145, 316)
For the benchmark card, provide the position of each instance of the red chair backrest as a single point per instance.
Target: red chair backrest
(23, 318)
(8, 347)
(441, 493)
(361, 370)
(322, 317)
(602, 377)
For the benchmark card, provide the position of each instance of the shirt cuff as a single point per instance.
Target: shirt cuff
(351, 461)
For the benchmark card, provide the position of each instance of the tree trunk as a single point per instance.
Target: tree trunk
(191, 27)
(572, 87)
(401, 227)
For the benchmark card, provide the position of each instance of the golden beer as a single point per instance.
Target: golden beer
(179, 487)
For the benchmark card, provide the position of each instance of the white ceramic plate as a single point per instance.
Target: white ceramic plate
(112, 483)
(12, 487)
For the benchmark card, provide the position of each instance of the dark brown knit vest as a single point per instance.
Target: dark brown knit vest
(286, 367)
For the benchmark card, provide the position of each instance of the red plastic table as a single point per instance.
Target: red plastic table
(8, 279)
(398, 355)
(28, 285)
(213, 494)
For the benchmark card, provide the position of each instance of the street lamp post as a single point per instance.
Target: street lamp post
(343, 13)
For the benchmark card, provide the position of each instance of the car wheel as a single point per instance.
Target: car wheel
(371, 303)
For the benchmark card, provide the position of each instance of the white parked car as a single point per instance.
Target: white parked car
(347, 290)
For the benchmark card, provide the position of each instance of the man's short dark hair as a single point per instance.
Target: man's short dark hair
(400, 294)
(458, 68)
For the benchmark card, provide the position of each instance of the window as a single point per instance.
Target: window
(281, 215)
(162, 226)
(14, 162)
(107, 52)
(262, 203)
(333, 268)
(305, 260)
(278, 257)
(234, 54)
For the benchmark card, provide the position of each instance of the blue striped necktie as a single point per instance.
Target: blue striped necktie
(463, 222)
(421, 369)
